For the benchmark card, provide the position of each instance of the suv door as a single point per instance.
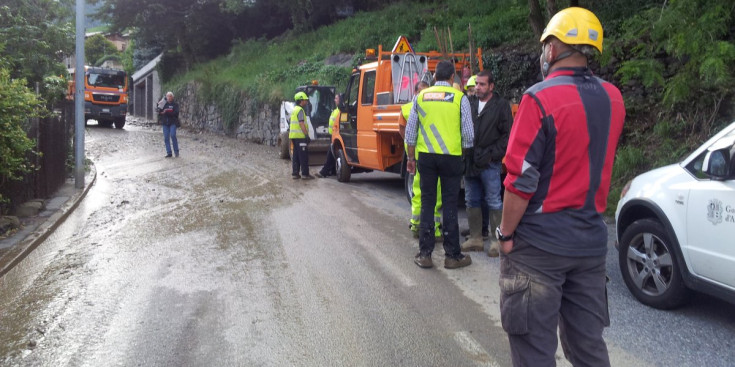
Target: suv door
(711, 215)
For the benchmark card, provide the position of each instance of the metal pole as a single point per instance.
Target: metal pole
(79, 100)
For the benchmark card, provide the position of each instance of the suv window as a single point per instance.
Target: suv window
(727, 142)
(696, 167)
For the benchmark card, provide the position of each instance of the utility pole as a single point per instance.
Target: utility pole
(79, 100)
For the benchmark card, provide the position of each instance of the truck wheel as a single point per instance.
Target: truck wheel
(408, 185)
(284, 146)
(120, 122)
(343, 169)
(649, 265)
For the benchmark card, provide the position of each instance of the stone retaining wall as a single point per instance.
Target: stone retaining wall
(257, 123)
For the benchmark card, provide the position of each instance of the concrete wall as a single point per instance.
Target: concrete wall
(256, 123)
(146, 92)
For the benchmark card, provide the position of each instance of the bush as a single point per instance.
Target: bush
(17, 104)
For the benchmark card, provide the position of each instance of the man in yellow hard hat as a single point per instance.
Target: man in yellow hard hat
(299, 135)
(553, 237)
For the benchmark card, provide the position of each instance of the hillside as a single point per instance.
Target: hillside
(677, 87)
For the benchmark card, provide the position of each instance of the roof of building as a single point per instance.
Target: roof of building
(147, 68)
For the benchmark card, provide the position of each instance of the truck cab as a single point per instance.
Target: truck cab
(105, 95)
(370, 132)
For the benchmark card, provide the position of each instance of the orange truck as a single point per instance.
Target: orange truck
(105, 95)
(370, 132)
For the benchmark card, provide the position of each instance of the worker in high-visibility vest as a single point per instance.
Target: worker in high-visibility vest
(299, 135)
(416, 187)
(329, 168)
(439, 127)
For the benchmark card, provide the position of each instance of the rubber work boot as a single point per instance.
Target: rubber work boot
(494, 249)
(463, 261)
(474, 217)
(424, 261)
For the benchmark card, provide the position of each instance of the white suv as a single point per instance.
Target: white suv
(676, 227)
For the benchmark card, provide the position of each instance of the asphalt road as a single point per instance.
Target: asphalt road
(220, 258)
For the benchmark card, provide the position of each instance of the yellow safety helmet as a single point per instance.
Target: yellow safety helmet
(471, 82)
(300, 96)
(575, 26)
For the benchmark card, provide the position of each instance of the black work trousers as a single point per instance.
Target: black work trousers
(448, 169)
(300, 157)
(540, 291)
(329, 166)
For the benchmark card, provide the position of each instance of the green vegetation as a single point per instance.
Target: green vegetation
(36, 35)
(269, 70)
(101, 28)
(17, 103)
(677, 61)
(97, 49)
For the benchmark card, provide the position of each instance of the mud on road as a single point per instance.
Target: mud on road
(152, 232)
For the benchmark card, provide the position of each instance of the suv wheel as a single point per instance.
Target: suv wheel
(650, 267)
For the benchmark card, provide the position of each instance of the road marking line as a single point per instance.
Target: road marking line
(474, 349)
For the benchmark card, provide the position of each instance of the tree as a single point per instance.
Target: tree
(536, 17)
(96, 47)
(687, 68)
(199, 30)
(36, 35)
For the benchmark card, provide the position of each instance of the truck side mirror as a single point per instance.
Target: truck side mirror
(717, 164)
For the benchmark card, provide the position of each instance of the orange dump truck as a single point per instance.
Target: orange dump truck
(370, 132)
(105, 95)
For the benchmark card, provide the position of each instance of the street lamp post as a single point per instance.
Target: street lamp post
(79, 100)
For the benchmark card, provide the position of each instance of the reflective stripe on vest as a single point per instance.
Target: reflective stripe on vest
(440, 128)
(294, 131)
(333, 118)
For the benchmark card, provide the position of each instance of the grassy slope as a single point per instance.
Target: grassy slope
(269, 70)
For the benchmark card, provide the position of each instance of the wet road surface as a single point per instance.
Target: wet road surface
(220, 258)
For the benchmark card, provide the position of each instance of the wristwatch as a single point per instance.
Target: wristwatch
(500, 236)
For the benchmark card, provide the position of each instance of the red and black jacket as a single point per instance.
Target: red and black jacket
(560, 158)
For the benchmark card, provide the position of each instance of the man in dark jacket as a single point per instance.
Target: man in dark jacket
(170, 121)
(492, 118)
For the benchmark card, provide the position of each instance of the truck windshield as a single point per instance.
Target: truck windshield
(106, 80)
